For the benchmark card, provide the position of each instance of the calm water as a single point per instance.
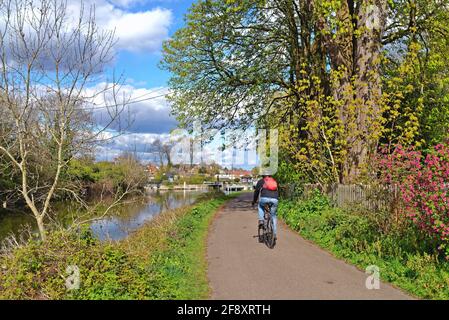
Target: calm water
(115, 226)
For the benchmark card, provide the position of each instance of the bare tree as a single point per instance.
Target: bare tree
(133, 179)
(163, 151)
(51, 62)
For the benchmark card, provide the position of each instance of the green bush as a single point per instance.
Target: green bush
(165, 259)
(194, 179)
(38, 270)
(403, 255)
(105, 176)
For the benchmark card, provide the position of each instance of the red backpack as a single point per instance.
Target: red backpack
(270, 184)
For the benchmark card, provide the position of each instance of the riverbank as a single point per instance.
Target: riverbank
(404, 257)
(226, 187)
(164, 259)
(123, 220)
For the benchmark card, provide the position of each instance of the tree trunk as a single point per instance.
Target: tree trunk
(41, 226)
(341, 52)
(367, 85)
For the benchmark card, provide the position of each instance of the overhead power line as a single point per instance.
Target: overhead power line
(124, 103)
(129, 102)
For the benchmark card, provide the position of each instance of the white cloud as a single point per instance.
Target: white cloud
(142, 31)
(126, 3)
(135, 83)
(137, 143)
(148, 110)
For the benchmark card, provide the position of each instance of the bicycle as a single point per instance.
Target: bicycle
(265, 231)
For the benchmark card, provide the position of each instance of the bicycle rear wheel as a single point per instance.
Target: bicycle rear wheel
(269, 235)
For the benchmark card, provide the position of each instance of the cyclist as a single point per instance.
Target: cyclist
(267, 188)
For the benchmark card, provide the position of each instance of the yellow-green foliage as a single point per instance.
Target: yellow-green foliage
(335, 84)
(318, 141)
(401, 111)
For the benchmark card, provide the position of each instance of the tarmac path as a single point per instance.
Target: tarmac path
(239, 267)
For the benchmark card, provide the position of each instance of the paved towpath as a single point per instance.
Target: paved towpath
(241, 268)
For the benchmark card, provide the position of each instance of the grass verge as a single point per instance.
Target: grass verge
(405, 257)
(165, 259)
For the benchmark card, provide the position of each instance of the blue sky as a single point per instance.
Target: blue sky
(141, 27)
(142, 66)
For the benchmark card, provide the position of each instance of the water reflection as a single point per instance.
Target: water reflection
(115, 226)
(132, 216)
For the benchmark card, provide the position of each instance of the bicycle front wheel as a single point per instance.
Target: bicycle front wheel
(260, 233)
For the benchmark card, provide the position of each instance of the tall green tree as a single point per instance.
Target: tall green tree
(416, 74)
(317, 69)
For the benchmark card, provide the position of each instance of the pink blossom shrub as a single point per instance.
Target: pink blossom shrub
(423, 183)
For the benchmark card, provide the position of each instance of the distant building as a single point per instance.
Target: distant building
(246, 179)
(239, 173)
(245, 176)
(151, 170)
(171, 176)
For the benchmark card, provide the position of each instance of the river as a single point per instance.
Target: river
(125, 219)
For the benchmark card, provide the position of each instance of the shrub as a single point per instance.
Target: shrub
(423, 185)
(404, 257)
(105, 178)
(162, 260)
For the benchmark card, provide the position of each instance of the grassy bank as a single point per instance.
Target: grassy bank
(405, 257)
(165, 259)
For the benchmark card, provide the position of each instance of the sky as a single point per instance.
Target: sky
(141, 27)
